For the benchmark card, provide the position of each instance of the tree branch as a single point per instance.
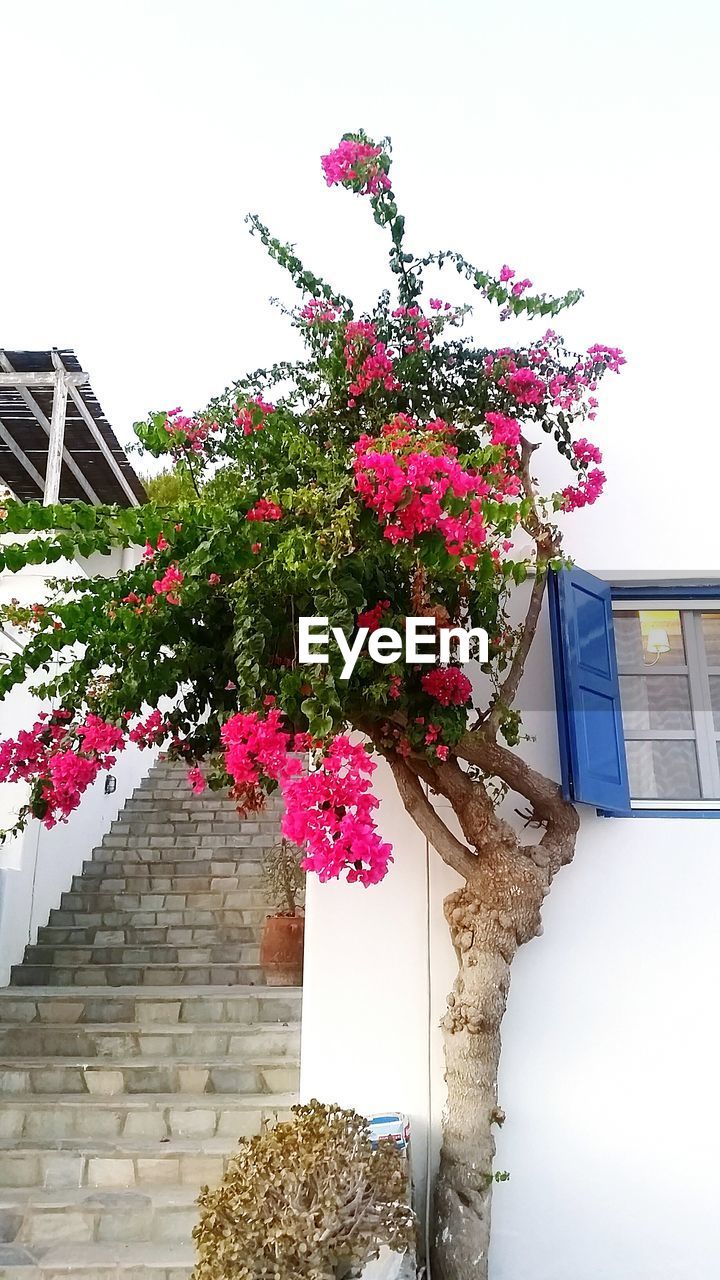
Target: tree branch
(544, 795)
(451, 850)
(508, 689)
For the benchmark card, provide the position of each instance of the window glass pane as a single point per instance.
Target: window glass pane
(655, 702)
(715, 699)
(711, 634)
(663, 770)
(649, 637)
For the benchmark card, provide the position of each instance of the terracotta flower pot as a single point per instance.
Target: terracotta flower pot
(281, 950)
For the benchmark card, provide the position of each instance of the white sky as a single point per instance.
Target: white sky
(577, 141)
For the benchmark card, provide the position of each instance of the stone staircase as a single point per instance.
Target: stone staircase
(137, 1043)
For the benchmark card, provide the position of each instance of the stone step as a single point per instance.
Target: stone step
(157, 1040)
(168, 935)
(188, 917)
(163, 1006)
(127, 975)
(184, 849)
(165, 884)
(155, 819)
(182, 865)
(48, 1118)
(101, 900)
(268, 1074)
(147, 1261)
(64, 955)
(88, 1215)
(134, 1163)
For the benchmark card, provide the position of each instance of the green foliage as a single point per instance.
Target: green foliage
(168, 487)
(227, 639)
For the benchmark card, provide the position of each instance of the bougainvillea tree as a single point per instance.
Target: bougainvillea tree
(387, 474)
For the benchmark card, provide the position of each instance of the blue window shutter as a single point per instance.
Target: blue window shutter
(590, 728)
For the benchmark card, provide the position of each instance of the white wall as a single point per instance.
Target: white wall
(38, 866)
(610, 1043)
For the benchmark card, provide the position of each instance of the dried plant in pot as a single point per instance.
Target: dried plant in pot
(283, 936)
(307, 1200)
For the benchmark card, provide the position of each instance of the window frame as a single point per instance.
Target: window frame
(690, 601)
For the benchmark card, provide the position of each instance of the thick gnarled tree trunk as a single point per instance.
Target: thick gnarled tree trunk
(497, 909)
(485, 939)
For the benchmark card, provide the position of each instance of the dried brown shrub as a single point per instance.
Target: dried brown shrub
(307, 1200)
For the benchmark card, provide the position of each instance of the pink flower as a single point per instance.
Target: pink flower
(196, 780)
(264, 510)
(586, 452)
(329, 812)
(214, 579)
(318, 311)
(151, 732)
(190, 432)
(372, 618)
(519, 288)
(356, 165)
(506, 273)
(585, 493)
(447, 685)
(172, 578)
(526, 387)
(411, 478)
(251, 417)
(504, 430)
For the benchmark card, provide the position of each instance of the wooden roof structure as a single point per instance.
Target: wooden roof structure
(56, 445)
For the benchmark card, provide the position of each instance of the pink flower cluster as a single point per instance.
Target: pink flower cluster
(318, 311)
(372, 618)
(575, 387)
(60, 759)
(162, 544)
(329, 812)
(151, 732)
(418, 329)
(611, 357)
(504, 430)
(412, 479)
(196, 780)
(356, 165)
(518, 289)
(586, 491)
(447, 685)
(264, 509)
(251, 416)
(190, 432)
(366, 360)
(524, 384)
(173, 577)
(257, 745)
(586, 452)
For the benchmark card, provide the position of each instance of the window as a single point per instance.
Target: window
(637, 680)
(668, 658)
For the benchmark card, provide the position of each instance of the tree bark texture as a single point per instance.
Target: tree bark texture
(489, 918)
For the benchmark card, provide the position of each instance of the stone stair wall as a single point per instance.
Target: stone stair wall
(138, 1042)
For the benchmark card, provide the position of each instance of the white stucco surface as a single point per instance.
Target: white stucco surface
(38, 866)
(610, 1042)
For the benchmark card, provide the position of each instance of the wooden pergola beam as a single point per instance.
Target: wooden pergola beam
(14, 379)
(22, 457)
(110, 458)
